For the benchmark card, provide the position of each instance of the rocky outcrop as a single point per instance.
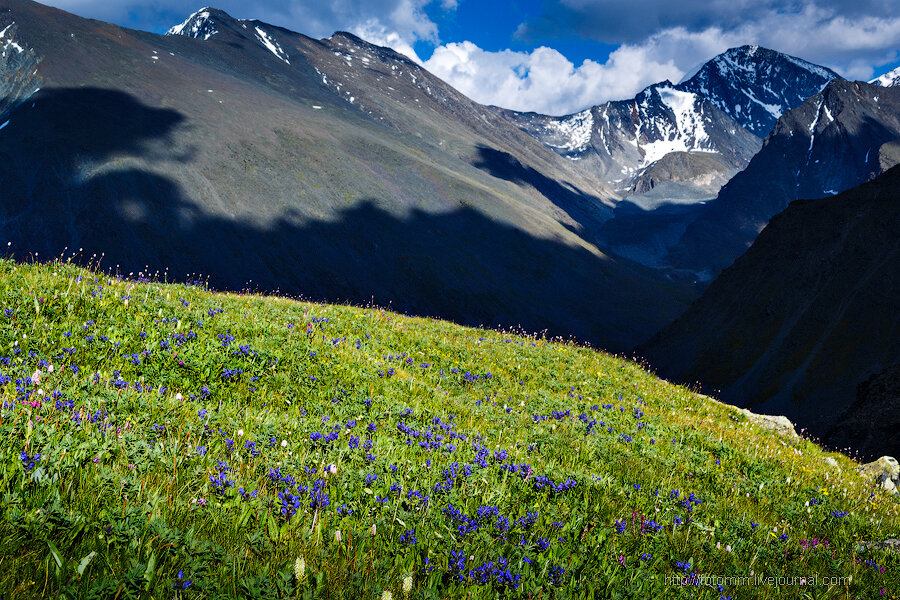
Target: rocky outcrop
(885, 472)
(779, 424)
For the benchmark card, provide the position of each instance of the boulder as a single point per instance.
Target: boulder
(778, 424)
(885, 471)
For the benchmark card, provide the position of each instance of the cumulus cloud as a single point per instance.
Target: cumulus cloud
(630, 21)
(544, 81)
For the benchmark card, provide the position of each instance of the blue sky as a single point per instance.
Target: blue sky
(560, 56)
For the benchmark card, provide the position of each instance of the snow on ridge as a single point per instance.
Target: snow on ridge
(808, 66)
(889, 79)
(574, 129)
(689, 132)
(196, 22)
(271, 45)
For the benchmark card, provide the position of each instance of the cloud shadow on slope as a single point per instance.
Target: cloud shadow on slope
(585, 209)
(460, 265)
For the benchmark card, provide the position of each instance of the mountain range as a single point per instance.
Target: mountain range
(331, 169)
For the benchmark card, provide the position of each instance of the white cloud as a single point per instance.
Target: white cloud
(543, 80)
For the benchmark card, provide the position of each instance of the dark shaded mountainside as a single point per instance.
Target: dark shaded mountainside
(331, 169)
(839, 138)
(805, 323)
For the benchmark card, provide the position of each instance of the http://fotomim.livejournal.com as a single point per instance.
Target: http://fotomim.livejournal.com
(813, 580)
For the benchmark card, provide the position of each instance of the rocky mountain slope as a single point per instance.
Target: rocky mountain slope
(755, 85)
(618, 140)
(837, 139)
(331, 169)
(724, 108)
(805, 322)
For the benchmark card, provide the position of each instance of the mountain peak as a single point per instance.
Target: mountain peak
(756, 85)
(889, 79)
(201, 24)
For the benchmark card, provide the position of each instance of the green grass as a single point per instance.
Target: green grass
(147, 424)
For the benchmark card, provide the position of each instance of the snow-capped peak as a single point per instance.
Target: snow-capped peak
(199, 25)
(889, 79)
(755, 85)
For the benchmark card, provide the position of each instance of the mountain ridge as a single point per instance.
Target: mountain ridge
(803, 318)
(139, 145)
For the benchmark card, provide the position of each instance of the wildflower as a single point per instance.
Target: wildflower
(407, 585)
(337, 536)
(299, 568)
(386, 595)
(284, 443)
(373, 530)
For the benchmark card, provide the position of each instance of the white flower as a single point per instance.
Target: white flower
(386, 595)
(240, 433)
(36, 377)
(50, 369)
(40, 392)
(299, 568)
(728, 548)
(407, 585)
(337, 536)
(179, 397)
(284, 443)
(373, 529)
(332, 469)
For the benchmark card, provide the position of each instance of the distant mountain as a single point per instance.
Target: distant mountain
(889, 79)
(755, 85)
(618, 140)
(841, 137)
(332, 169)
(804, 318)
(723, 108)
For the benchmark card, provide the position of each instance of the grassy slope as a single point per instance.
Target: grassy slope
(139, 477)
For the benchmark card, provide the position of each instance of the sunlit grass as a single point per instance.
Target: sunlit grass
(200, 445)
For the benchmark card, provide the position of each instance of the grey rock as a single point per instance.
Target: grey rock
(779, 424)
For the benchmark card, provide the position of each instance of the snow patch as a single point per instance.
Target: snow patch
(271, 45)
(574, 131)
(688, 134)
(776, 110)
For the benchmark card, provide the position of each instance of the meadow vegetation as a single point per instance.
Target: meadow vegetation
(164, 441)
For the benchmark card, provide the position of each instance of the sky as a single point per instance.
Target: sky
(561, 56)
